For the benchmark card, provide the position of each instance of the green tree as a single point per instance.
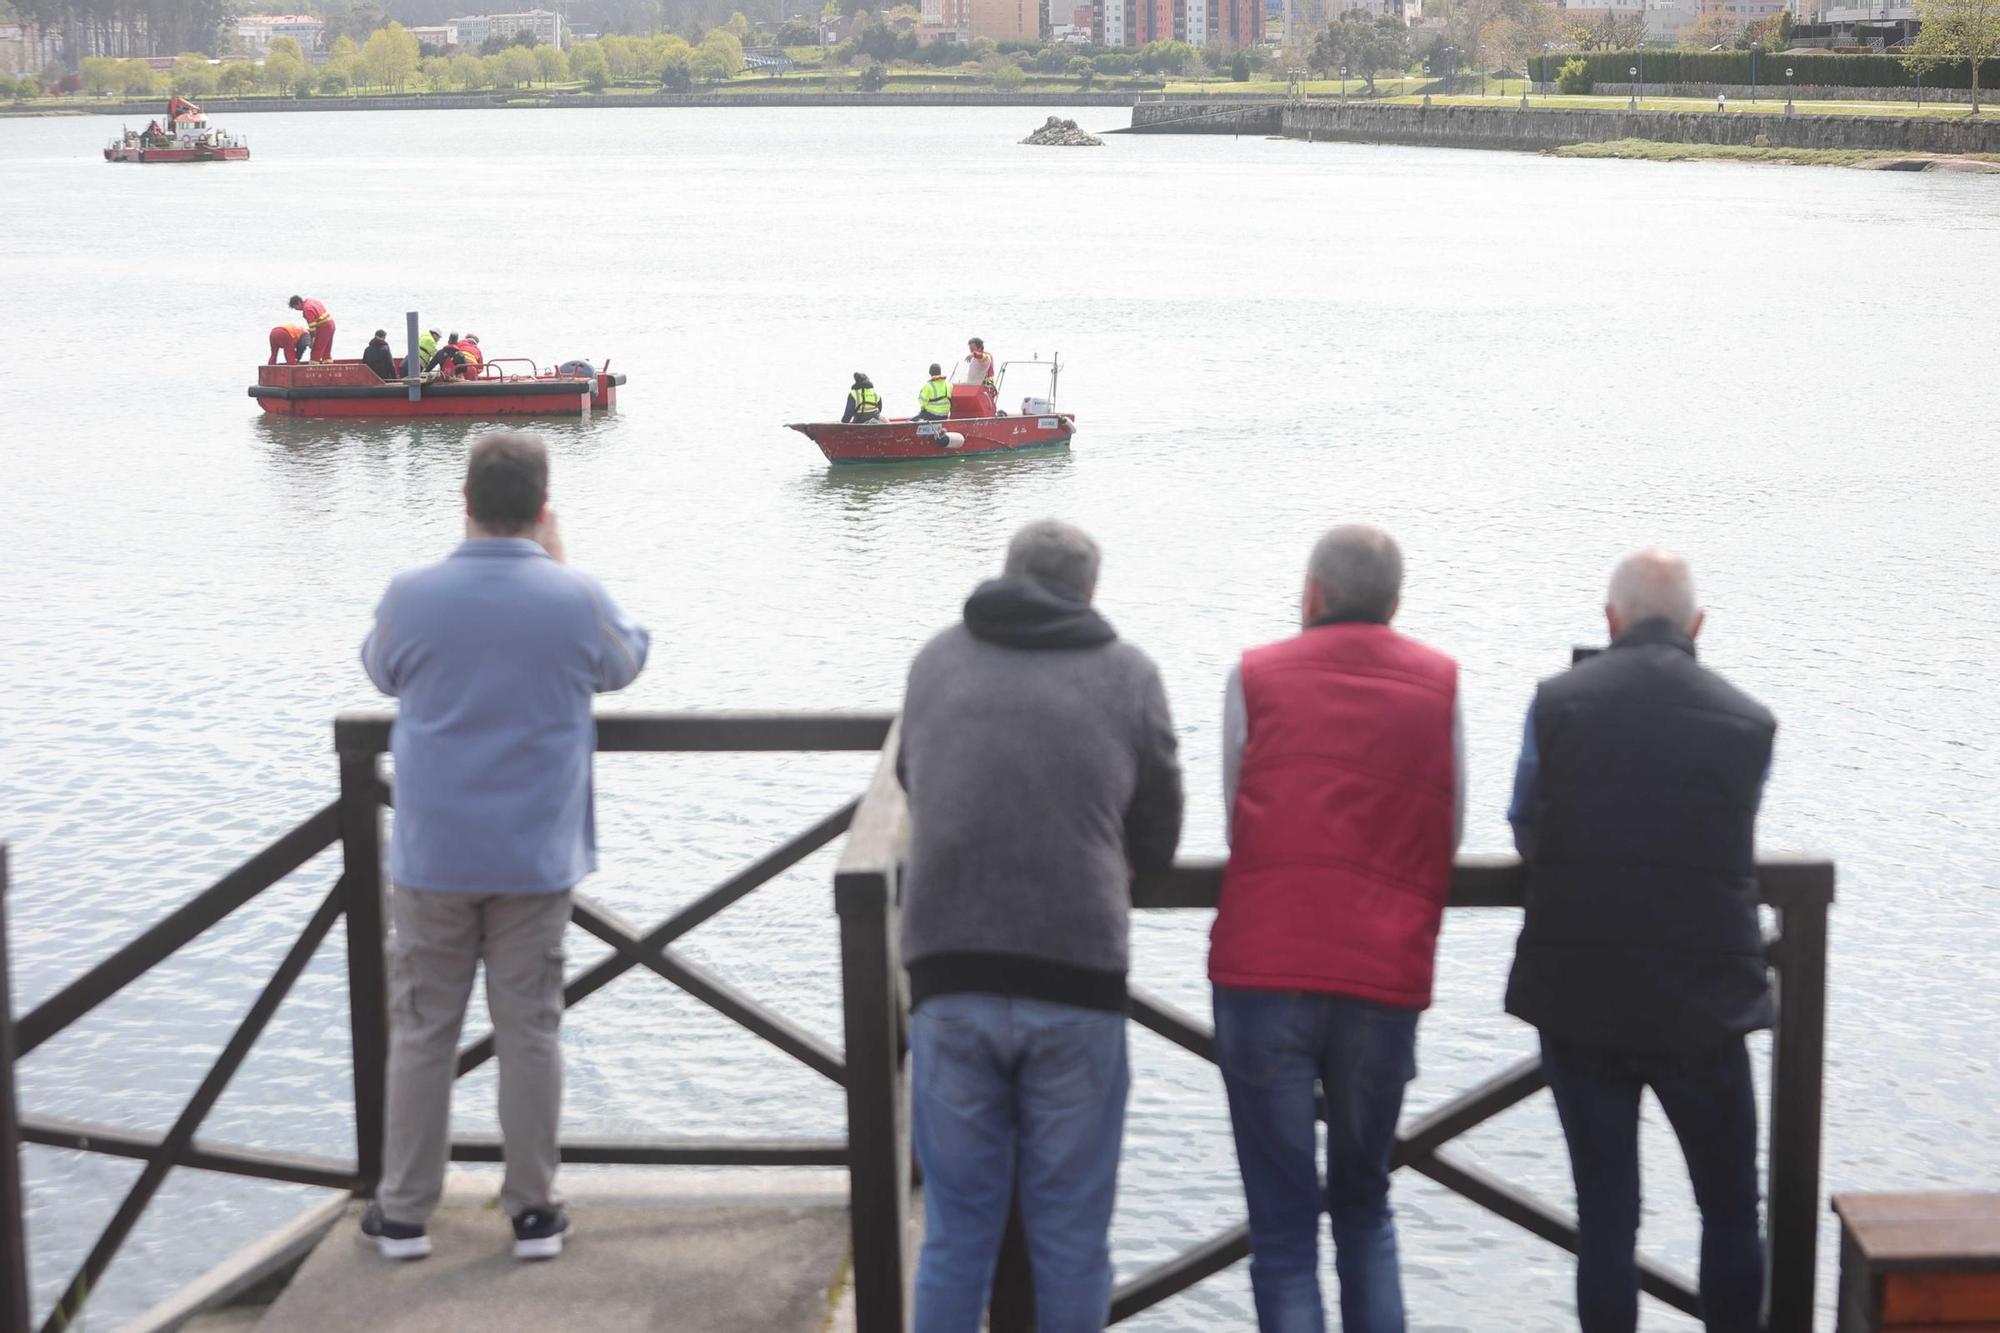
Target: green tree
(1239, 67)
(738, 27)
(1967, 30)
(139, 78)
(436, 73)
(193, 77)
(723, 53)
(517, 66)
(390, 57)
(343, 48)
(1008, 79)
(587, 62)
(552, 65)
(283, 71)
(1080, 69)
(872, 77)
(101, 76)
(236, 78)
(468, 72)
(1574, 76)
(336, 77)
(1361, 46)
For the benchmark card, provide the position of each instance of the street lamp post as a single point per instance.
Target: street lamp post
(1343, 84)
(1788, 90)
(1633, 105)
(1546, 48)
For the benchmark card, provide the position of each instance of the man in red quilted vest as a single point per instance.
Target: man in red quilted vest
(1343, 773)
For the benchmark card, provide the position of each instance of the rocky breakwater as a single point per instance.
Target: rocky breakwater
(1059, 133)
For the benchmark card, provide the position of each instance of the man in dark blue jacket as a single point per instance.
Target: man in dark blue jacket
(1640, 960)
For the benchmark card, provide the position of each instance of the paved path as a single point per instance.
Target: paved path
(671, 1260)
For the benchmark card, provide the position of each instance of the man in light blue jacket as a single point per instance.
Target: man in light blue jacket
(495, 653)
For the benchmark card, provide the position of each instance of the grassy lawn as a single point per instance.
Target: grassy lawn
(1647, 151)
(1769, 106)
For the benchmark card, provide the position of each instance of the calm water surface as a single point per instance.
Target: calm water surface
(1522, 366)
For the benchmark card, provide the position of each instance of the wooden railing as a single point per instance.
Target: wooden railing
(866, 895)
(354, 822)
(871, 1068)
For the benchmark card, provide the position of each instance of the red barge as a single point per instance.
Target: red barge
(976, 428)
(185, 137)
(351, 389)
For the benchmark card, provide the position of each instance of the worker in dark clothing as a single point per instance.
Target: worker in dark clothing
(863, 403)
(378, 358)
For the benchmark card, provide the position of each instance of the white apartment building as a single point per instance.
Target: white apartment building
(545, 24)
(255, 31)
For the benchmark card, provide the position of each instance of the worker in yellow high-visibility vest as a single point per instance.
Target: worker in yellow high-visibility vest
(934, 399)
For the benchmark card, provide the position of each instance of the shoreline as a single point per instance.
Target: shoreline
(220, 107)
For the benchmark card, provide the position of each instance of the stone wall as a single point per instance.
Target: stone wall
(1261, 117)
(220, 109)
(1537, 128)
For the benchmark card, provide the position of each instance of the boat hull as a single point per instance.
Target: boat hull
(910, 442)
(350, 389)
(154, 155)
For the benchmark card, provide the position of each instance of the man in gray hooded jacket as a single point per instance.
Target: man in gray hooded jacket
(1039, 758)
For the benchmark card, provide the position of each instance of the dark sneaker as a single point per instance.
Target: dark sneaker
(396, 1240)
(539, 1232)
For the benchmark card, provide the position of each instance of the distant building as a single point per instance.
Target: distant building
(442, 36)
(1590, 11)
(1744, 12)
(544, 25)
(254, 32)
(1135, 23)
(963, 20)
(1666, 20)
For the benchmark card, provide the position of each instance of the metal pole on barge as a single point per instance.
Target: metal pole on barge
(413, 364)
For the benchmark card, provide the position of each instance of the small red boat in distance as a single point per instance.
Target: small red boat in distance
(184, 136)
(976, 428)
(351, 389)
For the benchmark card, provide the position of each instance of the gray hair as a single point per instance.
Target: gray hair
(1060, 556)
(1359, 571)
(1654, 584)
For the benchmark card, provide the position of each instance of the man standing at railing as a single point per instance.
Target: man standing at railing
(495, 653)
(1640, 959)
(1039, 758)
(1343, 779)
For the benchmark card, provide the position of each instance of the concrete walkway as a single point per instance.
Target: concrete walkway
(664, 1253)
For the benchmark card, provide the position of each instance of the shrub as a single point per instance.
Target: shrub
(873, 76)
(1239, 68)
(1009, 78)
(1573, 77)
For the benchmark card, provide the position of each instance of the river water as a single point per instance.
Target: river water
(1521, 366)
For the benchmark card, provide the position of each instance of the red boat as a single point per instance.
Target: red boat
(185, 137)
(351, 389)
(976, 428)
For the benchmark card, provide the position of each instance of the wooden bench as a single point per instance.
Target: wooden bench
(1919, 1263)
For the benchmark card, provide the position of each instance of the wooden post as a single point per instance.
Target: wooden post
(878, 1148)
(367, 983)
(878, 1144)
(1798, 1052)
(14, 1293)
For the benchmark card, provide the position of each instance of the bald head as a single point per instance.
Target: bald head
(1356, 573)
(1652, 585)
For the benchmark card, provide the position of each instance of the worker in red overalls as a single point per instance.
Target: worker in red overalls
(318, 323)
(289, 339)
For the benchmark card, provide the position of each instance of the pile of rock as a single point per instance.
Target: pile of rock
(1059, 133)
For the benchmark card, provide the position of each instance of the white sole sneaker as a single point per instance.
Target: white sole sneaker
(543, 1247)
(416, 1247)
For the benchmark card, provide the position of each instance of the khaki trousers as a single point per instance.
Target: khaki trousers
(438, 942)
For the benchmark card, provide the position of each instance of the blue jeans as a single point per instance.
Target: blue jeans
(1274, 1046)
(1711, 1102)
(1007, 1090)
